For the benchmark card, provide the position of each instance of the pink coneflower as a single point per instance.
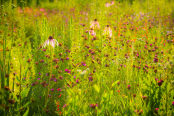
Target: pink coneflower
(95, 24)
(108, 31)
(92, 32)
(112, 3)
(51, 42)
(107, 4)
(42, 9)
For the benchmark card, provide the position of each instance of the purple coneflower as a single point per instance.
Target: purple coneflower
(95, 24)
(51, 42)
(112, 2)
(108, 31)
(107, 4)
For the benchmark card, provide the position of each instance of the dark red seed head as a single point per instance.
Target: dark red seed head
(50, 37)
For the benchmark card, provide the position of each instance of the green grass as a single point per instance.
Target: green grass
(130, 73)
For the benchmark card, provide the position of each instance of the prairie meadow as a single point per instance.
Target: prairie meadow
(87, 58)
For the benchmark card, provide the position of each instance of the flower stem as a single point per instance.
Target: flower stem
(50, 75)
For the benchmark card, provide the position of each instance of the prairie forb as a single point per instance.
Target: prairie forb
(50, 41)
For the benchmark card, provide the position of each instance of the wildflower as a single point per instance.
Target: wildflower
(64, 105)
(118, 83)
(68, 71)
(55, 80)
(134, 95)
(28, 60)
(107, 4)
(77, 81)
(11, 101)
(46, 111)
(52, 89)
(144, 97)
(39, 73)
(51, 42)
(67, 58)
(108, 31)
(90, 78)
(47, 74)
(59, 89)
(93, 106)
(60, 95)
(155, 59)
(83, 63)
(112, 2)
(42, 9)
(6, 88)
(36, 63)
(7, 75)
(160, 82)
(156, 79)
(44, 50)
(173, 103)
(49, 95)
(41, 61)
(60, 77)
(128, 87)
(14, 73)
(92, 32)
(44, 84)
(156, 110)
(56, 66)
(139, 112)
(95, 24)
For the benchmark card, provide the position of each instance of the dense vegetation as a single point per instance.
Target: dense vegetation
(77, 57)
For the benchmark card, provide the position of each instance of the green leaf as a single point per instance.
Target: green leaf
(26, 112)
(114, 83)
(17, 78)
(96, 88)
(26, 104)
(111, 93)
(168, 87)
(24, 92)
(15, 97)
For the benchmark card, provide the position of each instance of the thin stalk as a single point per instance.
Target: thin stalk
(22, 45)
(50, 75)
(8, 79)
(166, 93)
(20, 81)
(1, 11)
